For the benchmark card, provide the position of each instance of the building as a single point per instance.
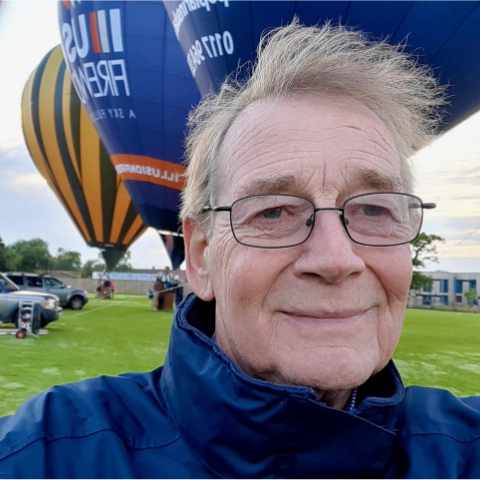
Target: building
(447, 289)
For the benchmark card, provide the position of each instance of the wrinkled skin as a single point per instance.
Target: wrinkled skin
(327, 313)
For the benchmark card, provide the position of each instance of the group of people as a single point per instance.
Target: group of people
(105, 287)
(297, 216)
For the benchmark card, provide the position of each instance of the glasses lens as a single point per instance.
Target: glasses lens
(271, 221)
(383, 218)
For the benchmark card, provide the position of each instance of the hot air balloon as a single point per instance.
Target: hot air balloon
(132, 76)
(216, 36)
(69, 154)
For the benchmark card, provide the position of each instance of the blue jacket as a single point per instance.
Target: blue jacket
(199, 416)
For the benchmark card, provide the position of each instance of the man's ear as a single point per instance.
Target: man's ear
(196, 256)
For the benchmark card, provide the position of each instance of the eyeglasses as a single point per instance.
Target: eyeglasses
(279, 221)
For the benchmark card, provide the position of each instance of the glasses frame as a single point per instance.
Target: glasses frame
(339, 210)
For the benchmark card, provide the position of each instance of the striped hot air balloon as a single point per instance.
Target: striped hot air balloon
(69, 154)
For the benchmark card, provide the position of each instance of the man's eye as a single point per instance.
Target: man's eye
(374, 210)
(272, 213)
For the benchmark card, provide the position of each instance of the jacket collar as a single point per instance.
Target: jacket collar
(244, 427)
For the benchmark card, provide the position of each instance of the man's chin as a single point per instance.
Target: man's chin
(337, 373)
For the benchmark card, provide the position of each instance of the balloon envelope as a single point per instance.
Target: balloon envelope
(132, 76)
(217, 36)
(69, 154)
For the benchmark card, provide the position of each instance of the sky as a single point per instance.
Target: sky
(28, 30)
(447, 172)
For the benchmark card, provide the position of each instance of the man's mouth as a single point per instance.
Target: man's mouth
(324, 317)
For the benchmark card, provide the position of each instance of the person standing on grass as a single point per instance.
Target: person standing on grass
(297, 216)
(157, 289)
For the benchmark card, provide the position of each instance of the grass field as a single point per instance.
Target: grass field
(108, 337)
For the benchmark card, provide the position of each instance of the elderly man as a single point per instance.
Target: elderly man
(297, 217)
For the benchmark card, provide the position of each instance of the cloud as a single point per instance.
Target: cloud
(461, 234)
(456, 264)
(18, 173)
(470, 179)
(28, 181)
(473, 171)
(149, 251)
(456, 224)
(31, 210)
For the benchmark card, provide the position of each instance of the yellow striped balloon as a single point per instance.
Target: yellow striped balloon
(69, 154)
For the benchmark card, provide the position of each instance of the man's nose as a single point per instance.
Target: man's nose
(329, 253)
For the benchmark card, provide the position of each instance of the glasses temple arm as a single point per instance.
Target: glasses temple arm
(216, 209)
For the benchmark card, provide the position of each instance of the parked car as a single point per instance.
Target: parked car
(74, 298)
(11, 296)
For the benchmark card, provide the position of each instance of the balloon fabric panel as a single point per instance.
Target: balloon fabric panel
(67, 127)
(122, 203)
(443, 35)
(67, 150)
(138, 91)
(90, 152)
(44, 128)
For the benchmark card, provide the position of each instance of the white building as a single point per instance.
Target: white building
(447, 289)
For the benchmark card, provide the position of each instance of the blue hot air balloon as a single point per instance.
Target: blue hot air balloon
(131, 74)
(218, 35)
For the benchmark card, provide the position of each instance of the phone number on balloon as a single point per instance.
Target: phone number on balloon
(209, 46)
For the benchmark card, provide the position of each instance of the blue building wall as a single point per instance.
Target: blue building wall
(447, 289)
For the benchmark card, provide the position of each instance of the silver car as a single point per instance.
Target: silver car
(11, 296)
(70, 297)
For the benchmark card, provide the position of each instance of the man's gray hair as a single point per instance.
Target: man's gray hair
(310, 60)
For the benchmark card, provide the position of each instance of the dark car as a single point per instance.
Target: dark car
(74, 298)
(12, 296)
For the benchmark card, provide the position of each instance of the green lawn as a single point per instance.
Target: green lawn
(441, 349)
(106, 337)
(109, 337)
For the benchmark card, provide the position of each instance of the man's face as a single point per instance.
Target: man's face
(327, 313)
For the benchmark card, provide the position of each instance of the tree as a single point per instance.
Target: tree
(424, 249)
(3, 256)
(31, 255)
(471, 296)
(8, 258)
(124, 265)
(91, 266)
(67, 260)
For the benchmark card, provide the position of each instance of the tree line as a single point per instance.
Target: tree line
(34, 256)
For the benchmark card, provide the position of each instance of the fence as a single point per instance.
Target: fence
(131, 287)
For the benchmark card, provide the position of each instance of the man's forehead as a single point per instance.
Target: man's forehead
(319, 112)
(289, 144)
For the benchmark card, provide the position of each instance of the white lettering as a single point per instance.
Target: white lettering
(102, 29)
(215, 45)
(83, 44)
(76, 34)
(121, 77)
(187, 6)
(104, 74)
(92, 78)
(160, 173)
(100, 79)
(116, 30)
(68, 49)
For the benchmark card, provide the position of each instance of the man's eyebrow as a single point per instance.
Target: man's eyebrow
(359, 178)
(277, 184)
(368, 178)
